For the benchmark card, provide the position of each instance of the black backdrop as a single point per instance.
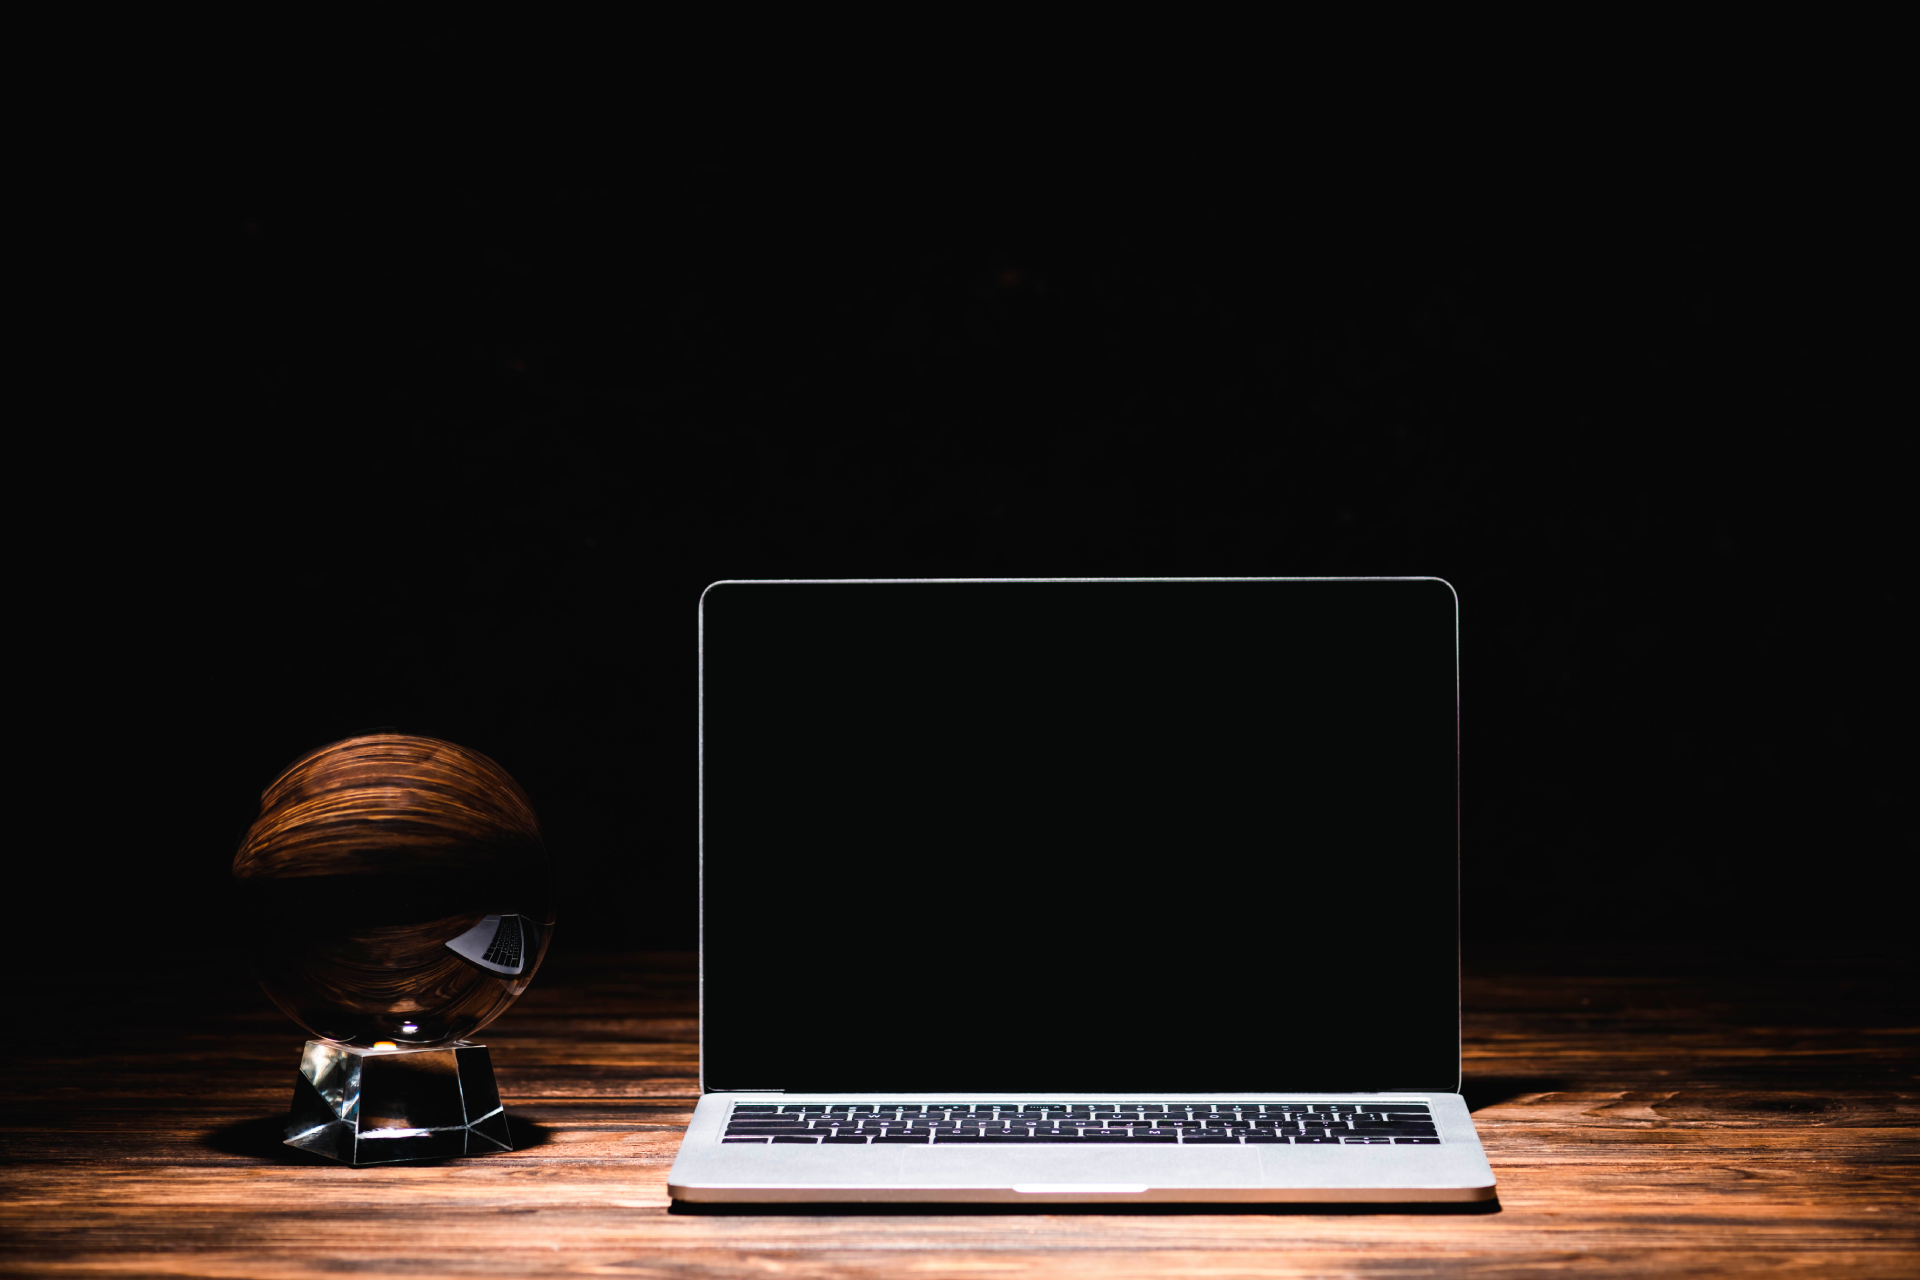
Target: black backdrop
(393, 401)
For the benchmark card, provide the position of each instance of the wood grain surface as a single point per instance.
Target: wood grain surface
(1647, 1112)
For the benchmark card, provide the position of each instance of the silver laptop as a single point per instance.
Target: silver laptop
(1119, 890)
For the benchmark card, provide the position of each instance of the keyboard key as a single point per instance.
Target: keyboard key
(1416, 1142)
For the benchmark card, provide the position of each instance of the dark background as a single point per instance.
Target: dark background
(402, 395)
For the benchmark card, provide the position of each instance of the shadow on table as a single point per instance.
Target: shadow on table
(1131, 1210)
(1482, 1092)
(261, 1139)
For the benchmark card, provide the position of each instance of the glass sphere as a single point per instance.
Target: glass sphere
(395, 888)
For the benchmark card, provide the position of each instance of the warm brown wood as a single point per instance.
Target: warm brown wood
(1647, 1114)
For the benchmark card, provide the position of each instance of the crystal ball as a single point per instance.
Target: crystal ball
(394, 888)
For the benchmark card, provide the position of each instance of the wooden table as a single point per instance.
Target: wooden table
(1647, 1112)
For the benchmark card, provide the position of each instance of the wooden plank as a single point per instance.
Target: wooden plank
(1640, 1124)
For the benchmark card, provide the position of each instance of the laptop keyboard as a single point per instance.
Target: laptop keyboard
(505, 950)
(1106, 1123)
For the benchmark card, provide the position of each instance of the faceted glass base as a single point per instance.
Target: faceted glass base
(376, 1106)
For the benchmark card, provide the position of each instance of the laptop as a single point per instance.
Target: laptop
(1080, 890)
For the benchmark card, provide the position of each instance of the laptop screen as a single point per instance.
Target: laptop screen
(1080, 836)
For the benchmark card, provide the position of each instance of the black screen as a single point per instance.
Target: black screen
(1080, 836)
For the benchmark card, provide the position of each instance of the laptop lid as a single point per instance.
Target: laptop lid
(1159, 835)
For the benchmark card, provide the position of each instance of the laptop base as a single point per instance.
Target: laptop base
(1034, 1195)
(711, 1170)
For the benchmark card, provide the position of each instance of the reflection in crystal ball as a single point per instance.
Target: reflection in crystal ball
(394, 888)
